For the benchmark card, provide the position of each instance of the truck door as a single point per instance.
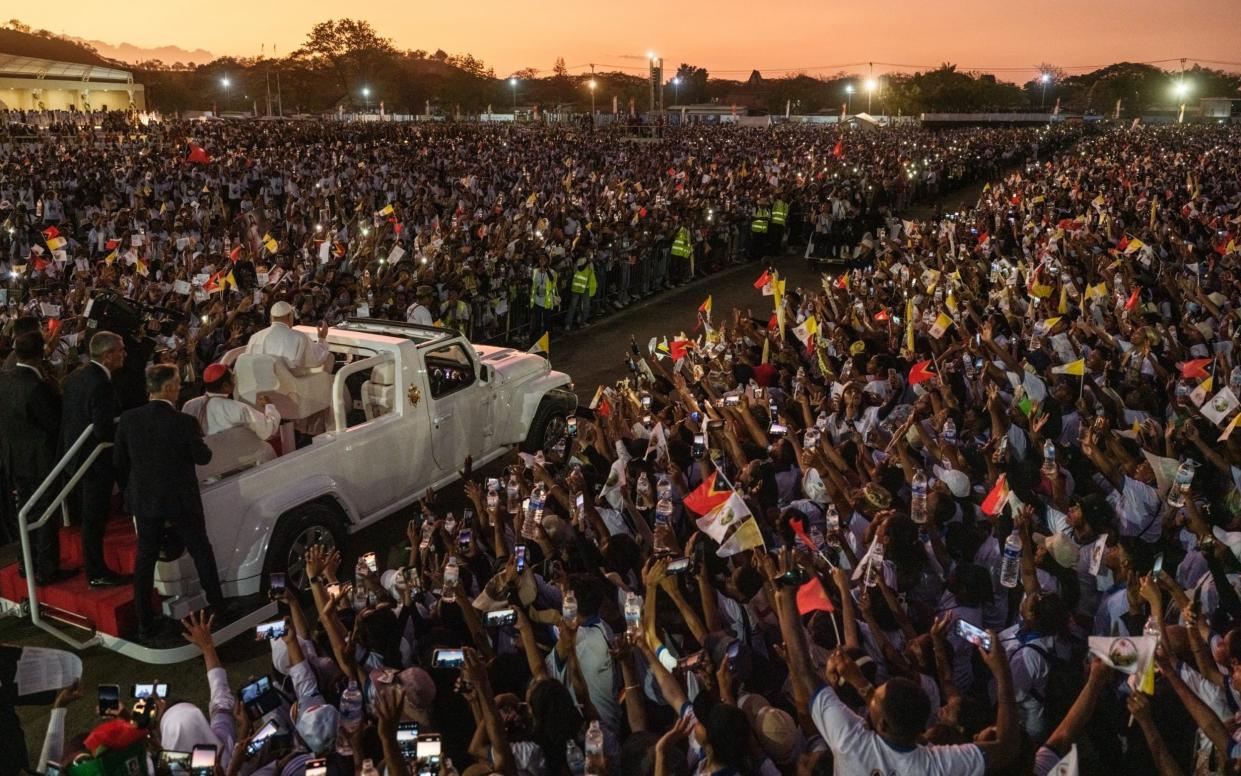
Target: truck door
(458, 407)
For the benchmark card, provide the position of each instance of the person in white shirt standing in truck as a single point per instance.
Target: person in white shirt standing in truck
(297, 350)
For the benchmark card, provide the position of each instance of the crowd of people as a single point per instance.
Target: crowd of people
(972, 507)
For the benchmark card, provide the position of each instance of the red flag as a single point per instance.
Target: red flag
(839, 150)
(763, 279)
(1133, 298)
(705, 497)
(842, 281)
(677, 349)
(51, 233)
(1122, 243)
(997, 498)
(774, 323)
(812, 598)
(235, 253)
(40, 263)
(883, 315)
(920, 372)
(983, 239)
(113, 244)
(198, 155)
(1195, 368)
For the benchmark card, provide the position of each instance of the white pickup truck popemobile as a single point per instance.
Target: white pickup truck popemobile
(406, 404)
(399, 412)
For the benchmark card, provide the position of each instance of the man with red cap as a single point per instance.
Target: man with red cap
(218, 411)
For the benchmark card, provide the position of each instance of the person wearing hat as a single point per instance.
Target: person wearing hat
(217, 410)
(420, 311)
(297, 350)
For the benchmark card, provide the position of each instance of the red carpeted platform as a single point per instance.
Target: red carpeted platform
(109, 608)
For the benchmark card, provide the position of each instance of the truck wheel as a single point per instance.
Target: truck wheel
(296, 533)
(548, 425)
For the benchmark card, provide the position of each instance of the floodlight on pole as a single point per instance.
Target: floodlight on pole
(513, 83)
(676, 88)
(366, 94)
(1044, 79)
(226, 82)
(593, 84)
(849, 97)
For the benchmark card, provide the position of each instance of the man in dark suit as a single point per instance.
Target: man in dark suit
(29, 437)
(155, 452)
(89, 398)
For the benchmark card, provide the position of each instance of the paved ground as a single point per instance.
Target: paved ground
(592, 356)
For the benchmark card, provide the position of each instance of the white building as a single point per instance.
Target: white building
(29, 83)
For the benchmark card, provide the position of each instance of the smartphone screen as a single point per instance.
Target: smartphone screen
(678, 565)
(109, 698)
(407, 738)
(731, 655)
(267, 631)
(1158, 564)
(202, 761)
(973, 634)
(520, 554)
(265, 732)
(275, 584)
(176, 762)
(149, 690)
(316, 768)
(500, 617)
(779, 429)
(428, 750)
(448, 658)
(464, 536)
(371, 564)
(581, 501)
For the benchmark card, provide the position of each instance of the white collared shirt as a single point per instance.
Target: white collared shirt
(106, 371)
(223, 412)
(32, 368)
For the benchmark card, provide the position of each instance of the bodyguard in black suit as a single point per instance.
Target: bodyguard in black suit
(156, 450)
(29, 439)
(89, 398)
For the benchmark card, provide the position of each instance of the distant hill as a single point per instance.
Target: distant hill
(31, 44)
(128, 52)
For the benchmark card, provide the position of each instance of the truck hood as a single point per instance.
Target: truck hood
(513, 365)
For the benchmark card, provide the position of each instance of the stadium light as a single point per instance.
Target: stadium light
(225, 82)
(1045, 77)
(1181, 88)
(871, 84)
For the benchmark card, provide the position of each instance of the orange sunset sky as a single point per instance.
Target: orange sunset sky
(728, 37)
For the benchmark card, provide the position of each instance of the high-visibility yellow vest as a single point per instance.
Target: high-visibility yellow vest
(548, 300)
(759, 224)
(584, 281)
(681, 245)
(779, 212)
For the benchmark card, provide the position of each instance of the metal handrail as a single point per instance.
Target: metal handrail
(23, 514)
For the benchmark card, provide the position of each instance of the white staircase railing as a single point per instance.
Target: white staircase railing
(25, 527)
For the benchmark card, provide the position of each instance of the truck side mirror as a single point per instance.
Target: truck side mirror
(485, 373)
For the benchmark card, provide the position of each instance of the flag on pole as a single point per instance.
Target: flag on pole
(941, 325)
(705, 307)
(1076, 368)
(1199, 395)
(726, 514)
(921, 372)
(1134, 245)
(543, 344)
(1195, 368)
(997, 498)
(270, 243)
(746, 537)
(706, 496)
(806, 330)
(1063, 307)
(387, 210)
(198, 155)
(1132, 301)
(764, 282)
(839, 149)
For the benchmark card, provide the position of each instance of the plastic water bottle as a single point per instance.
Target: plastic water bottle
(1010, 563)
(594, 739)
(350, 717)
(831, 520)
(574, 758)
(948, 434)
(917, 503)
(514, 493)
(968, 363)
(633, 612)
(568, 608)
(534, 513)
(1180, 486)
(1049, 458)
(874, 567)
(644, 490)
(451, 574)
(1151, 628)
